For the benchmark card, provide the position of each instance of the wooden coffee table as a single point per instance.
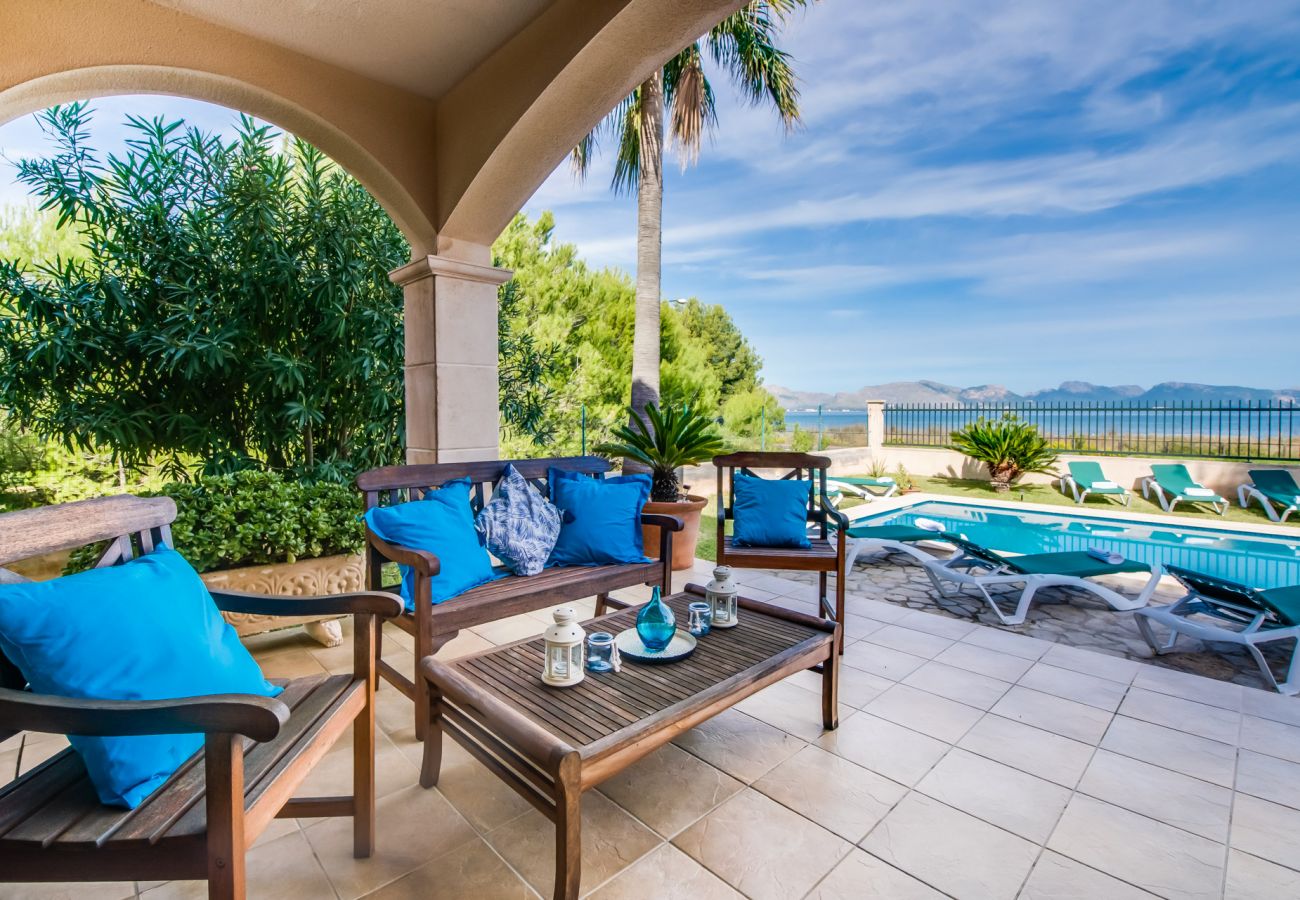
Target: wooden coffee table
(551, 744)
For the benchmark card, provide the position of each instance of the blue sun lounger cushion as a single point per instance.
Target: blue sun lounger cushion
(143, 630)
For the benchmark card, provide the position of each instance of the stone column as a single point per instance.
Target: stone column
(451, 355)
(876, 429)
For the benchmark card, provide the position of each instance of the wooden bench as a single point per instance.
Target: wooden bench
(433, 626)
(826, 553)
(257, 750)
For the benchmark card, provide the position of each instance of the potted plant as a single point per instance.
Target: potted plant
(1008, 446)
(903, 478)
(668, 439)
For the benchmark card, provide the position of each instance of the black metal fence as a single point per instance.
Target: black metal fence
(1244, 431)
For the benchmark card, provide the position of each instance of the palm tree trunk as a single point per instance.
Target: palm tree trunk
(649, 239)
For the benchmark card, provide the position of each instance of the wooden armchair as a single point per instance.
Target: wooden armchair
(826, 555)
(257, 750)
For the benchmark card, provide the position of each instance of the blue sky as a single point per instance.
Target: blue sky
(982, 192)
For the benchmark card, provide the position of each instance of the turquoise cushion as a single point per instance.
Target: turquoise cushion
(601, 518)
(144, 630)
(443, 524)
(770, 513)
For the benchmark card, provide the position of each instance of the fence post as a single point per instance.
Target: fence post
(584, 429)
(762, 431)
(876, 429)
(821, 444)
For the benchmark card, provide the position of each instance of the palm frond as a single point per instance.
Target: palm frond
(692, 110)
(627, 164)
(744, 44)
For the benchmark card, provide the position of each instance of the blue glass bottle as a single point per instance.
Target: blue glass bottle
(655, 623)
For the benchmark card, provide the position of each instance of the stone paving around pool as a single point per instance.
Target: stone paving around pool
(971, 761)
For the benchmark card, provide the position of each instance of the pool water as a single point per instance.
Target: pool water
(1258, 560)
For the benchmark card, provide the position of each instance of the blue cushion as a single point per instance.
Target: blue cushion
(602, 518)
(143, 630)
(519, 526)
(443, 524)
(770, 513)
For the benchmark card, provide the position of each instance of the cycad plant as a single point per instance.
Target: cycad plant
(1009, 447)
(664, 441)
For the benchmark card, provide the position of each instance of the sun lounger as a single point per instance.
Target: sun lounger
(1086, 477)
(1172, 483)
(1271, 486)
(1231, 613)
(980, 568)
(863, 486)
(889, 539)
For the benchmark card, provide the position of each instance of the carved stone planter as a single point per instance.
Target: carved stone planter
(325, 575)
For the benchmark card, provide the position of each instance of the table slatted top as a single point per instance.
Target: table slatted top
(603, 704)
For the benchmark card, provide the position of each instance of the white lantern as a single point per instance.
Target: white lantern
(564, 650)
(721, 593)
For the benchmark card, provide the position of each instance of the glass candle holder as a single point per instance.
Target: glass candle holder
(699, 617)
(600, 652)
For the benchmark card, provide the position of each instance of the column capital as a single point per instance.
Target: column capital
(446, 267)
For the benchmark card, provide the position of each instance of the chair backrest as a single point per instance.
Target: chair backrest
(1276, 481)
(1214, 591)
(795, 466)
(1086, 471)
(132, 525)
(1173, 477)
(398, 484)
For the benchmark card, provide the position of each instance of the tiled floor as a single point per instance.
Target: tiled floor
(970, 762)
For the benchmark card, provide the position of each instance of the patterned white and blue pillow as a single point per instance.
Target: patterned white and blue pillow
(519, 525)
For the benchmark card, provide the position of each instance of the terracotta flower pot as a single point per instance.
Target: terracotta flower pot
(683, 541)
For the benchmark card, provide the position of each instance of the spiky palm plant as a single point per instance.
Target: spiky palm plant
(1008, 446)
(744, 46)
(665, 440)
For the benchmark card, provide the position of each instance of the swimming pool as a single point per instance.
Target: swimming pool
(1259, 560)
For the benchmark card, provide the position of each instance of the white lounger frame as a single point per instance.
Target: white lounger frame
(1080, 495)
(1248, 492)
(1175, 618)
(963, 571)
(859, 491)
(873, 546)
(1168, 502)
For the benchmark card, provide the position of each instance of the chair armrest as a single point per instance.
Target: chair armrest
(375, 603)
(422, 561)
(259, 718)
(672, 523)
(840, 520)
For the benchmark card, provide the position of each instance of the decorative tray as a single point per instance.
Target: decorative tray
(630, 647)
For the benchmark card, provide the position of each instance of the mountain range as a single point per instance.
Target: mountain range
(1069, 391)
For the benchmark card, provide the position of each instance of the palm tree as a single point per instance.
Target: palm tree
(744, 46)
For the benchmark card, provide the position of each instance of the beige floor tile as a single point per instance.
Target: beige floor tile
(413, 826)
(1177, 750)
(1082, 688)
(477, 794)
(1174, 712)
(332, 776)
(992, 663)
(875, 609)
(998, 794)
(611, 841)
(1103, 665)
(1004, 641)
(1268, 705)
(927, 713)
(1049, 756)
(761, 848)
(1178, 800)
(1271, 737)
(740, 745)
(839, 795)
(505, 631)
(1198, 688)
(857, 627)
(1056, 714)
(893, 751)
(950, 850)
(790, 708)
(668, 874)
(463, 644)
(862, 876)
(856, 688)
(917, 643)
(1164, 860)
(931, 623)
(90, 890)
(296, 663)
(1251, 878)
(393, 634)
(670, 789)
(284, 868)
(1057, 877)
(961, 685)
(469, 871)
(882, 661)
(1264, 829)
(1268, 777)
